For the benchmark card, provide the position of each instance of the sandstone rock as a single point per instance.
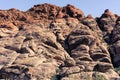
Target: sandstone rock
(49, 11)
(101, 67)
(51, 42)
(73, 12)
(15, 72)
(7, 57)
(107, 23)
(90, 16)
(114, 49)
(13, 14)
(85, 49)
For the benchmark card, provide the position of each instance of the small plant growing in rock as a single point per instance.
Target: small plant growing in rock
(54, 77)
(97, 76)
(117, 70)
(100, 77)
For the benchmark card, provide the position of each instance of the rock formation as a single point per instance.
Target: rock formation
(48, 42)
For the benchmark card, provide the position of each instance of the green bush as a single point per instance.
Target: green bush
(54, 77)
(100, 77)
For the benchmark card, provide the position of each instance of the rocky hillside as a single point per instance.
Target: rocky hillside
(49, 42)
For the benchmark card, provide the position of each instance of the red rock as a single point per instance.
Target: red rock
(49, 41)
(90, 16)
(72, 11)
(108, 13)
(49, 11)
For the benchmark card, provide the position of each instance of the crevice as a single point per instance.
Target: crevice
(52, 44)
(66, 47)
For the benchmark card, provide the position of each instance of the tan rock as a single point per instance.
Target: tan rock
(48, 42)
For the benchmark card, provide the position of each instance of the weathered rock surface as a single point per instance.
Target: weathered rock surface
(48, 42)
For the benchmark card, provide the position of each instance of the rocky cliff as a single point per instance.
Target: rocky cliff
(48, 42)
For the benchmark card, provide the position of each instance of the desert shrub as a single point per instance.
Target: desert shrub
(54, 77)
(98, 76)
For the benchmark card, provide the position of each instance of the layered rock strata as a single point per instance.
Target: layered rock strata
(48, 42)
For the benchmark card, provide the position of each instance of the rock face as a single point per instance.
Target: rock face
(48, 42)
(48, 11)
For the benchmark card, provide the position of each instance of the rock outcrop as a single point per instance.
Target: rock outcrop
(48, 42)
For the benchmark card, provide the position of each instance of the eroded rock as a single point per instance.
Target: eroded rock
(48, 42)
